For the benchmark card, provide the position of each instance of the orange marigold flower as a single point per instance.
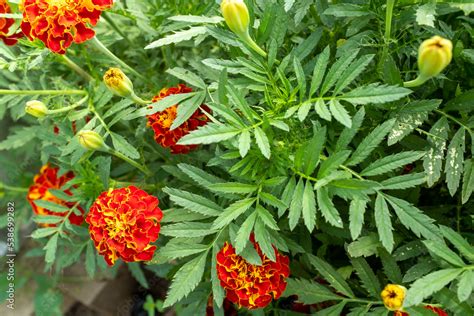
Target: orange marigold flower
(5, 24)
(435, 309)
(44, 181)
(123, 223)
(58, 23)
(250, 285)
(162, 121)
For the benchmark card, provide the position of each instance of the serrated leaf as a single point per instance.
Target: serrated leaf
(262, 142)
(191, 229)
(178, 37)
(187, 76)
(244, 143)
(208, 134)
(322, 110)
(123, 146)
(330, 213)
(307, 156)
(443, 252)
(391, 162)
(193, 202)
(43, 232)
(165, 103)
(90, 263)
(425, 14)
(51, 247)
(374, 93)
(332, 163)
(272, 200)
(296, 204)
(309, 292)
(466, 284)
(337, 69)
(197, 19)
(352, 72)
(187, 108)
(301, 79)
(304, 111)
(51, 206)
(390, 267)
(217, 290)
(266, 217)
(429, 284)
(262, 237)
(138, 274)
(468, 180)
(19, 138)
(243, 234)
(383, 223)
(232, 212)
(340, 113)
(459, 242)
(319, 71)
(364, 246)
(309, 206)
(287, 195)
(178, 250)
(356, 217)
(370, 142)
(331, 275)
(367, 276)
(186, 280)
(454, 161)
(233, 187)
(405, 181)
(348, 133)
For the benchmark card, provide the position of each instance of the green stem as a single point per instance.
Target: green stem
(135, 98)
(69, 108)
(13, 189)
(355, 174)
(415, 82)
(112, 56)
(111, 22)
(42, 92)
(130, 161)
(452, 118)
(84, 74)
(388, 20)
(247, 39)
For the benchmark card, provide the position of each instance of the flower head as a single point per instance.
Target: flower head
(434, 55)
(393, 296)
(123, 223)
(161, 122)
(46, 180)
(438, 311)
(58, 23)
(118, 82)
(236, 15)
(90, 140)
(36, 108)
(250, 285)
(5, 25)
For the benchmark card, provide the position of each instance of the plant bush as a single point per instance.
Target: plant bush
(317, 153)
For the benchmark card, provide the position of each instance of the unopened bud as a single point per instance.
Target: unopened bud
(434, 55)
(36, 108)
(236, 15)
(90, 140)
(393, 296)
(118, 82)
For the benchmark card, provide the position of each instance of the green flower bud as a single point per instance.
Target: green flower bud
(236, 15)
(90, 140)
(434, 55)
(118, 83)
(36, 108)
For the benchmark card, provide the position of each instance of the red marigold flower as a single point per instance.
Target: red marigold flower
(5, 24)
(123, 223)
(58, 23)
(44, 181)
(162, 121)
(250, 285)
(435, 309)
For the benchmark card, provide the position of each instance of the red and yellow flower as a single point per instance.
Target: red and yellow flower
(436, 310)
(46, 180)
(123, 223)
(161, 122)
(5, 25)
(58, 23)
(249, 285)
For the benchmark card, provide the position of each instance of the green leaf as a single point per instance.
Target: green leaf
(405, 181)
(443, 252)
(287, 196)
(466, 284)
(429, 284)
(332, 163)
(356, 217)
(208, 134)
(391, 162)
(51, 247)
(43, 232)
(300, 78)
(217, 290)
(232, 212)
(199, 176)
(337, 69)
(244, 143)
(296, 204)
(197, 19)
(272, 200)
(20, 138)
(468, 180)
(187, 76)
(178, 37)
(340, 113)
(390, 267)
(176, 250)
(425, 14)
(331, 275)
(243, 234)
(352, 72)
(184, 229)
(309, 292)
(233, 187)
(370, 142)
(459, 242)
(367, 276)
(262, 237)
(330, 213)
(322, 110)
(51, 206)
(346, 10)
(364, 246)
(454, 161)
(123, 146)
(46, 219)
(383, 223)
(165, 103)
(348, 133)
(266, 217)
(304, 111)
(414, 219)
(319, 71)
(307, 156)
(186, 279)
(374, 93)
(187, 108)
(193, 202)
(262, 142)
(309, 206)
(90, 263)
(138, 274)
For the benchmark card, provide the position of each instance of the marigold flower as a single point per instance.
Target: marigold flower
(5, 24)
(434, 55)
(250, 285)
(236, 16)
(123, 223)
(161, 122)
(47, 179)
(58, 23)
(393, 296)
(118, 82)
(435, 309)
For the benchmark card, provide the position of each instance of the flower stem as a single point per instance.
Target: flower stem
(69, 108)
(247, 39)
(452, 118)
(84, 74)
(135, 98)
(111, 22)
(42, 92)
(130, 161)
(415, 83)
(112, 56)
(388, 19)
(6, 187)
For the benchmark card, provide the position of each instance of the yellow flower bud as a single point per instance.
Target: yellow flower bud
(90, 140)
(118, 82)
(236, 15)
(36, 108)
(434, 55)
(393, 296)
